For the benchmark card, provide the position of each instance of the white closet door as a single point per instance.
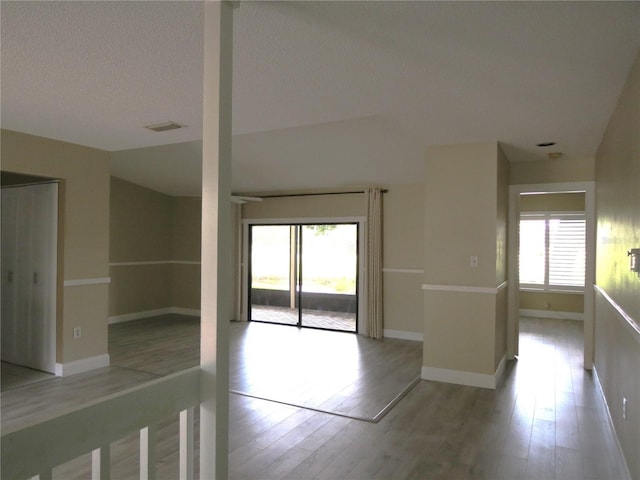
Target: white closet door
(44, 235)
(9, 261)
(29, 316)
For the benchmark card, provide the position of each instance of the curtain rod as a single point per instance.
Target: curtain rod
(311, 194)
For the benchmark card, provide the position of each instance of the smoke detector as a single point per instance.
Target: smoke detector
(163, 127)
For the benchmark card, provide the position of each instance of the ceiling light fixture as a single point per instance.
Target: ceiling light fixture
(163, 127)
(546, 144)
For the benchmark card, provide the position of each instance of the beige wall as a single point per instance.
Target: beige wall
(186, 228)
(466, 197)
(459, 331)
(160, 235)
(577, 169)
(501, 300)
(85, 209)
(139, 288)
(140, 223)
(502, 215)
(553, 202)
(460, 203)
(319, 206)
(140, 232)
(617, 349)
(403, 257)
(553, 302)
(186, 225)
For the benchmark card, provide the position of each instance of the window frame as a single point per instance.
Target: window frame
(547, 216)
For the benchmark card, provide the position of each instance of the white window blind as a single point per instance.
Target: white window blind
(533, 251)
(552, 251)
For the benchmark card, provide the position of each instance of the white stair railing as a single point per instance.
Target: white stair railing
(33, 451)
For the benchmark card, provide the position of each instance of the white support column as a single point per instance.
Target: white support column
(148, 453)
(186, 444)
(101, 463)
(216, 248)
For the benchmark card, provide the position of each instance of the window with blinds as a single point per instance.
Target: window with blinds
(552, 251)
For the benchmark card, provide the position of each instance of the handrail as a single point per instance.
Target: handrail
(37, 448)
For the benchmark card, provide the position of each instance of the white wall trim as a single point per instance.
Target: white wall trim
(138, 315)
(129, 264)
(191, 312)
(155, 262)
(464, 288)
(526, 312)
(127, 317)
(87, 281)
(459, 377)
(82, 365)
(628, 321)
(402, 270)
(403, 335)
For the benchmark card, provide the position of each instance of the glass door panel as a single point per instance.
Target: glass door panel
(273, 274)
(329, 276)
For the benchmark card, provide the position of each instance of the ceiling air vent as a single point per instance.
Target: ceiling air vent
(163, 127)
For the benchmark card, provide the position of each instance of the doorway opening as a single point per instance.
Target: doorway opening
(304, 274)
(552, 258)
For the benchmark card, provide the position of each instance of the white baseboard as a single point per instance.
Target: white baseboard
(524, 312)
(403, 335)
(460, 377)
(191, 312)
(153, 313)
(82, 365)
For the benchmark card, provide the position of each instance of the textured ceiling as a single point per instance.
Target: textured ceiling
(326, 94)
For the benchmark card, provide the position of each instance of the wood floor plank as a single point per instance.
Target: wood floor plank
(546, 420)
(568, 464)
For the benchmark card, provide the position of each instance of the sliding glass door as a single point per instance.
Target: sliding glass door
(304, 275)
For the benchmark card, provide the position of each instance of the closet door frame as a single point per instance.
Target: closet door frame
(33, 326)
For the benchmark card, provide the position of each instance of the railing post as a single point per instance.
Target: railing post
(148, 453)
(186, 444)
(101, 463)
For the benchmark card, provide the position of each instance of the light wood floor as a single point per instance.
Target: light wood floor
(336, 372)
(13, 376)
(547, 420)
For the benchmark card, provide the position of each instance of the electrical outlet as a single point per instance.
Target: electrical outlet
(77, 333)
(624, 408)
(473, 261)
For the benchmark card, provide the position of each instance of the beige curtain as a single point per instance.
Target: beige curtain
(374, 262)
